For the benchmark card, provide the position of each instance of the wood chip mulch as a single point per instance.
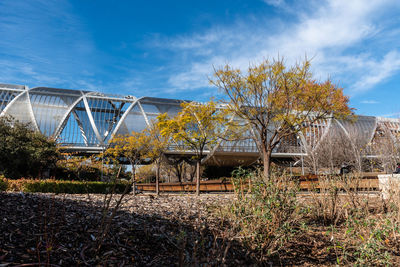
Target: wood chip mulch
(65, 230)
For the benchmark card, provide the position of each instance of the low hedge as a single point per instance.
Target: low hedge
(59, 186)
(3, 184)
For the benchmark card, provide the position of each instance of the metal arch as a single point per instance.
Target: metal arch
(351, 141)
(7, 93)
(81, 128)
(35, 124)
(121, 120)
(33, 119)
(11, 103)
(373, 131)
(389, 131)
(114, 119)
(322, 132)
(328, 126)
(68, 105)
(3, 97)
(65, 118)
(146, 119)
(364, 129)
(39, 119)
(344, 130)
(303, 141)
(58, 101)
(91, 120)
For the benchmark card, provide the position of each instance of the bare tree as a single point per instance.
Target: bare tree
(385, 149)
(339, 147)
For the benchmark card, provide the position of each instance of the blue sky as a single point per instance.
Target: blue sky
(168, 48)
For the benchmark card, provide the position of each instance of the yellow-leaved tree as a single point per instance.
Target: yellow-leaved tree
(196, 130)
(136, 147)
(278, 101)
(158, 146)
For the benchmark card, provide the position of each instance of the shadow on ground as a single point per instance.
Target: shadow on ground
(50, 230)
(42, 229)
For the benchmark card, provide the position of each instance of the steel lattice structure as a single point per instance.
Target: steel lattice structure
(85, 121)
(81, 120)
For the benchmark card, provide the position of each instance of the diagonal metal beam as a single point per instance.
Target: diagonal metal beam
(11, 103)
(124, 116)
(144, 114)
(114, 119)
(35, 124)
(65, 118)
(91, 120)
(81, 128)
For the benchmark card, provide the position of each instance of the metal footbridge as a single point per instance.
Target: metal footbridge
(85, 121)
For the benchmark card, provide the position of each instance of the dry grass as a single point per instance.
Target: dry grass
(335, 224)
(267, 222)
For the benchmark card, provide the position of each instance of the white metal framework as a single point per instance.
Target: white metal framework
(81, 120)
(85, 121)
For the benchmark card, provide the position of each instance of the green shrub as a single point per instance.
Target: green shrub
(31, 152)
(69, 187)
(365, 241)
(3, 184)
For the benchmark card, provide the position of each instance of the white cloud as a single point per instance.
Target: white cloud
(335, 33)
(369, 102)
(276, 3)
(391, 115)
(378, 71)
(42, 42)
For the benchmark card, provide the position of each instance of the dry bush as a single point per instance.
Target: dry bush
(110, 206)
(323, 205)
(370, 233)
(178, 170)
(364, 228)
(386, 146)
(335, 197)
(170, 171)
(264, 216)
(146, 173)
(336, 149)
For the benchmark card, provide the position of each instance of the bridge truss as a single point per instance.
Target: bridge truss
(85, 121)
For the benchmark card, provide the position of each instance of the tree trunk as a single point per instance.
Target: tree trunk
(118, 173)
(178, 171)
(192, 173)
(133, 180)
(158, 179)
(183, 171)
(266, 162)
(198, 178)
